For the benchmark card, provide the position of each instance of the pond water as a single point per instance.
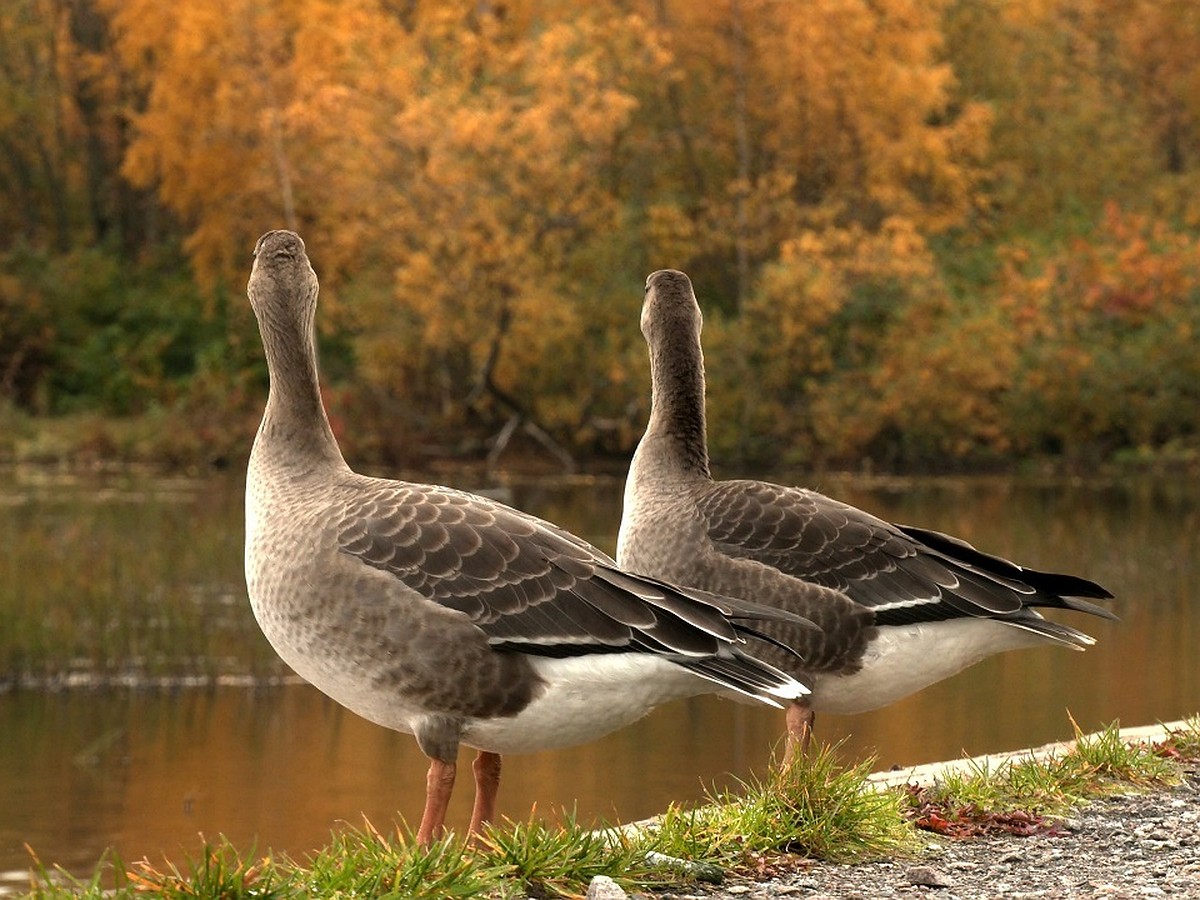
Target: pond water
(148, 772)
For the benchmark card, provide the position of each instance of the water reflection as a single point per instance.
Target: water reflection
(146, 773)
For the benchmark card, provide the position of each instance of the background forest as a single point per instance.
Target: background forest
(924, 232)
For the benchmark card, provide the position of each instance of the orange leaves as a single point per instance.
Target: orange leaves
(1104, 330)
(943, 382)
(206, 140)
(785, 120)
(671, 235)
(1132, 270)
(818, 325)
(1077, 350)
(1070, 117)
(491, 171)
(486, 185)
(1157, 40)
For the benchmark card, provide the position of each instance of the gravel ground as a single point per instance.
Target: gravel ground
(1123, 846)
(1131, 846)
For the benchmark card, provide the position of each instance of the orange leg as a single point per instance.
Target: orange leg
(438, 785)
(799, 731)
(487, 783)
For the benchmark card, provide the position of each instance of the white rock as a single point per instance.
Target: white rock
(604, 888)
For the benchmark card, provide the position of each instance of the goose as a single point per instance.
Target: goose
(899, 608)
(447, 615)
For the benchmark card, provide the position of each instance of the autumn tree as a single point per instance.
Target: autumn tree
(509, 166)
(1081, 353)
(814, 333)
(490, 184)
(1157, 48)
(455, 165)
(1107, 336)
(1068, 133)
(61, 136)
(207, 138)
(815, 149)
(862, 192)
(78, 251)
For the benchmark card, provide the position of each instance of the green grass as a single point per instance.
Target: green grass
(366, 863)
(815, 809)
(52, 883)
(1028, 794)
(544, 860)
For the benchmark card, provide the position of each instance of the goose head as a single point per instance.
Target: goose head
(670, 308)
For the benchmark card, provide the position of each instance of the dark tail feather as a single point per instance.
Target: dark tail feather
(1055, 583)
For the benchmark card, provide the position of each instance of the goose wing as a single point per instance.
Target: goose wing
(903, 574)
(533, 587)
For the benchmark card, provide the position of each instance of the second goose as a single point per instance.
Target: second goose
(899, 608)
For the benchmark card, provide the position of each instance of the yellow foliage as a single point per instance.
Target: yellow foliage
(1088, 347)
(484, 187)
(477, 155)
(818, 321)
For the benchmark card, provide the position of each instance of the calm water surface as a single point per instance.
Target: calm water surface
(147, 773)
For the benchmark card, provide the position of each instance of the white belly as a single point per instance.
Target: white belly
(905, 659)
(587, 697)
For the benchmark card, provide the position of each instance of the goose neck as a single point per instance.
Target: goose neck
(677, 425)
(295, 423)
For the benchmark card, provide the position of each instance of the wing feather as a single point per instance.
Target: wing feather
(906, 574)
(526, 583)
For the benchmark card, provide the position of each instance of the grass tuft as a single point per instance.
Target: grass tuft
(1182, 744)
(219, 872)
(1108, 762)
(561, 859)
(365, 863)
(54, 883)
(812, 808)
(1025, 796)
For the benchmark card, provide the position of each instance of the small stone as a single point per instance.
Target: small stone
(604, 888)
(698, 869)
(737, 889)
(928, 876)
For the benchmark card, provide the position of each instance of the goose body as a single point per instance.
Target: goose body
(407, 661)
(899, 608)
(446, 615)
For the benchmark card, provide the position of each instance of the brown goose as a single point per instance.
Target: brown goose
(446, 615)
(899, 608)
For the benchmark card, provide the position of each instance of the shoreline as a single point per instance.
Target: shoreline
(1137, 842)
